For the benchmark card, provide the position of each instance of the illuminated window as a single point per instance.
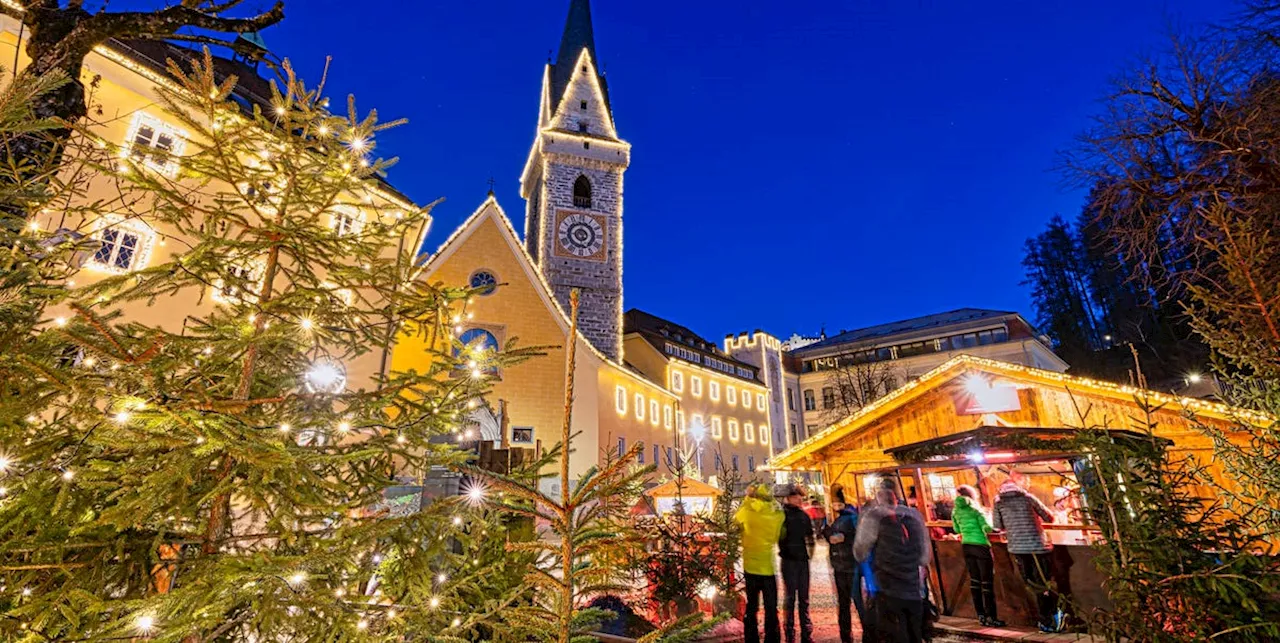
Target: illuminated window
(746, 399)
(717, 430)
(155, 144)
(733, 430)
(749, 433)
(809, 404)
(653, 412)
(760, 401)
(478, 345)
(483, 281)
(764, 434)
(677, 381)
(666, 417)
(346, 220)
(620, 400)
(680, 421)
(695, 385)
(240, 283)
(730, 394)
(582, 192)
(125, 245)
(639, 406)
(713, 390)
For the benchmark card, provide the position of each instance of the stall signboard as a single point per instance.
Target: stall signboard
(980, 396)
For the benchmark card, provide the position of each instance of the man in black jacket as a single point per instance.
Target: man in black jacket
(845, 569)
(794, 548)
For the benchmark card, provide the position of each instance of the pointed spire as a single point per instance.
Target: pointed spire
(578, 35)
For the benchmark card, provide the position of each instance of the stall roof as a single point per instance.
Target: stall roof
(691, 487)
(985, 436)
(802, 456)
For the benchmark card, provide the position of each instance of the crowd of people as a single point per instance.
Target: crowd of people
(879, 555)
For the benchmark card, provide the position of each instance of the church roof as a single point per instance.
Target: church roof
(578, 35)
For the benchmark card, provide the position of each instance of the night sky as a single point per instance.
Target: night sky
(794, 164)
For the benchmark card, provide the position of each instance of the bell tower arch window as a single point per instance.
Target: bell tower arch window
(582, 192)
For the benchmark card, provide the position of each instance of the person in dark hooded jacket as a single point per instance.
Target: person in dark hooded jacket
(1022, 517)
(795, 548)
(845, 568)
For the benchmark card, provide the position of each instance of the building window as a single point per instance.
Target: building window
(639, 406)
(696, 422)
(719, 461)
(582, 127)
(522, 435)
(653, 412)
(483, 281)
(670, 461)
(795, 435)
(680, 421)
(582, 105)
(479, 343)
(695, 385)
(155, 144)
(657, 460)
(240, 283)
(640, 456)
(808, 400)
(713, 390)
(666, 417)
(346, 220)
(733, 430)
(622, 446)
(764, 434)
(620, 400)
(677, 381)
(735, 463)
(749, 432)
(791, 400)
(761, 401)
(730, 394)
(717, 427)
(751, 463)
(828, 397)
(125, 245)
(582, 192)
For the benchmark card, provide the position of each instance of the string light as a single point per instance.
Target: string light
(122, 417)
(284, 427)
(400, 439)
(323, 130)
(442, 577)
(457, 521)
(344, 427)
(305, 323)
(4, 463)
(297, 578)
(144, 623)
(434, 602)
(68, 475)
(339, 592)
(391, 613)
(456, 622)
(363, 624)
(59, 321)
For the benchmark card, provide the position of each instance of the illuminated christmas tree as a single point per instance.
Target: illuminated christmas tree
(236, 478)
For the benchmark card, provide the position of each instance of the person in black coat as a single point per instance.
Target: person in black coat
(845, 569)
(795, 547)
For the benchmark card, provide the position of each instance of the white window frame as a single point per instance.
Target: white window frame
(749, 433)
(639, 405)
(713, 390)
(746, 399)
(653, 411)
(346, 220)
(666, 416)
(146, 241)
(130, 150)
(680, 421)
(761, 402)
(730, 394)
(763, 431)
(695, 386)
(733, 431)
(620, 399)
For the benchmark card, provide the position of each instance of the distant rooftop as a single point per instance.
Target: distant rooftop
(936, 320)
(658, 332)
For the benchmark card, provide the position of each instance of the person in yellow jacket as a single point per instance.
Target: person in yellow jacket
(761, 520)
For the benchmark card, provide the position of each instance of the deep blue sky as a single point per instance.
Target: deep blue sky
(794, 164)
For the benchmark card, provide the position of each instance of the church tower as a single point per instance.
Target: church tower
(572, 184)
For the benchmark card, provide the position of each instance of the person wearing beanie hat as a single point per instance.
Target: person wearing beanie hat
(761, 520)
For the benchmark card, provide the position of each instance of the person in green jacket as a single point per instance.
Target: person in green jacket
(761, 520)
(971, 523)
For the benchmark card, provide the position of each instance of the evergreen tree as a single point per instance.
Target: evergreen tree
(224, 481)
(1059, 284)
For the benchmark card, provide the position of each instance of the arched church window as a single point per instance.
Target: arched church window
(582, 192)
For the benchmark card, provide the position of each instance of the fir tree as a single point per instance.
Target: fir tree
(224, 481)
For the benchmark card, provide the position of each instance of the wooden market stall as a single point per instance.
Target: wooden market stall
(978, 422)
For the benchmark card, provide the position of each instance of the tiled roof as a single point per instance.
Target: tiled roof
(926, 322)
(658, 331)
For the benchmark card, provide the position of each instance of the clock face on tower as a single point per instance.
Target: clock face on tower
(580, 235)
